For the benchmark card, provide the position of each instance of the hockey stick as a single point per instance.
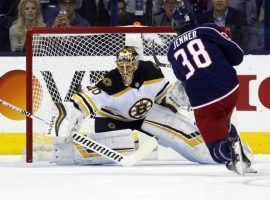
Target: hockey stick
(27, 114)
(158, 63)
(124, 160)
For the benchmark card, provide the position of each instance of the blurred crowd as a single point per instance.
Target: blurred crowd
(245, 18)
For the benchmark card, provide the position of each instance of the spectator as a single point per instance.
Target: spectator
(223, 15)
(198, 6)
(137, 11)
(67, 15)
(95, 12)
(48, 8)
(7, 16)
(29, 16)
(164, 18)
(157, 7)
(203, 5)
(249, 7)
(256, 41)
(122, 19)
(9, 8)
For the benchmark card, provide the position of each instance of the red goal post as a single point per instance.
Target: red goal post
(58, 59)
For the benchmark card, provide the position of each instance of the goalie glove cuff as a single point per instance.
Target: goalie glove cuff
(69, 120)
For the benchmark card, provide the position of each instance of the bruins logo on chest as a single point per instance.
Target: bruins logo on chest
(140, 108)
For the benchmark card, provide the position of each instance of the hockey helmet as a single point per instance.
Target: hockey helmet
(183, 19)
(127, 63)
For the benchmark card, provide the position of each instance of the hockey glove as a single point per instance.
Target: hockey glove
(226, 32)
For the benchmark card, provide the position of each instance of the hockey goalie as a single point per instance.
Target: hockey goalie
(133, 96)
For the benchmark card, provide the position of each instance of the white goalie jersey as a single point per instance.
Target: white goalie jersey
(110, 98)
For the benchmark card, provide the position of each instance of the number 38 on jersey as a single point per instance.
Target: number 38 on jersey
(194, 53)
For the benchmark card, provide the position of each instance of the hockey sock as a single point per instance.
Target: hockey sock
(233, 132)
(220, 151)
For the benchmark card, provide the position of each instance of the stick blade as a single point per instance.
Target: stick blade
(145, 149)
(140, 154)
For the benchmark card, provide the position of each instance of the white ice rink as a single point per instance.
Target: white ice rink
(149, 180)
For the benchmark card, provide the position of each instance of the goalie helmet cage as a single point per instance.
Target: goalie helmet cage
(59, 59)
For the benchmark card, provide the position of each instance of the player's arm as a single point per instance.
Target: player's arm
(220, 35)
(225, 31)
(91, 100)
(84, 102)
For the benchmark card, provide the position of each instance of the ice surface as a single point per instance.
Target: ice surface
(149, 180)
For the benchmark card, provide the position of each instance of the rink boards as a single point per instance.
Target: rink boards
(253, 111)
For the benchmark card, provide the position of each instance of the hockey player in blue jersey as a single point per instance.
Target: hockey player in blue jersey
(202, 58)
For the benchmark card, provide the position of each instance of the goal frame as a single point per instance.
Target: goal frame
(72, 30)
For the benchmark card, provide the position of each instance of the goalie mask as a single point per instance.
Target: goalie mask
(127, 63)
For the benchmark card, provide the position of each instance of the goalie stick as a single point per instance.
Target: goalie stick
(27, 114)
(158, 63)
(124, 160)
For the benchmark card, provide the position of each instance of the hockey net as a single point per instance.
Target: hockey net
(58, 60)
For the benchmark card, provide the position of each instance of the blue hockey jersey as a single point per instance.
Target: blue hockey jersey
(203, 59)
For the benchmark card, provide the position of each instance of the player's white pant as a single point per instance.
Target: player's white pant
(68, 153)
(178, 132)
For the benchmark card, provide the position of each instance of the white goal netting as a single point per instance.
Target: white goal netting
(63, 59)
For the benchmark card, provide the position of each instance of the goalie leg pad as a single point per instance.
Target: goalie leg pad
(120, 140)
(178, 132)
(63, 151)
